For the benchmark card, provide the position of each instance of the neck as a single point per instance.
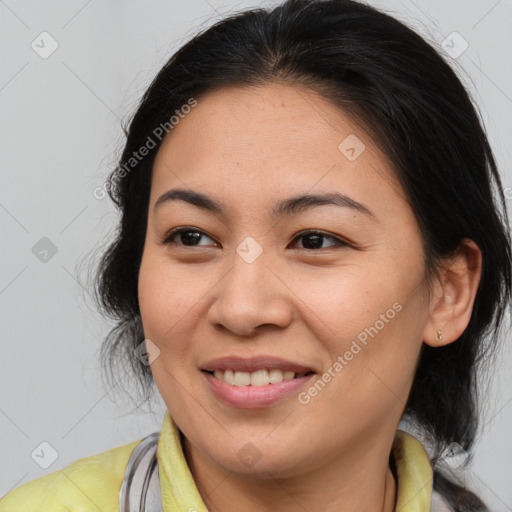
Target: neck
(367, 486)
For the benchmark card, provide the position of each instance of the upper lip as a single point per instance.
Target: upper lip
(251, 364)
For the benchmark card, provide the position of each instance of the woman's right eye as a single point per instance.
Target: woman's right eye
(189, 237)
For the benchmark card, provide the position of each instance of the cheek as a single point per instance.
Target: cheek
(370, 325)
(167, 297)
(166, 304)
(344, 301)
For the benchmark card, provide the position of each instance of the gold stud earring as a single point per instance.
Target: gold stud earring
(440, 335)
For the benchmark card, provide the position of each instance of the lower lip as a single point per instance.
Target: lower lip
(253, 397)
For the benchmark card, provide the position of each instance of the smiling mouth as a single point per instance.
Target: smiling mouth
(262, 377)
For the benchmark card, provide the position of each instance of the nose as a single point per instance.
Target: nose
(251, 297)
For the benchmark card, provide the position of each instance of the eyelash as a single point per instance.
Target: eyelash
(176, 231)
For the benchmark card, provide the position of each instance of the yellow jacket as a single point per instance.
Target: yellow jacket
(94, 483)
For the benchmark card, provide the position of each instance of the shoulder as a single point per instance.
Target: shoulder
(91, 483)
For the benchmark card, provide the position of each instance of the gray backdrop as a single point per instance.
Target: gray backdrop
(61, 108)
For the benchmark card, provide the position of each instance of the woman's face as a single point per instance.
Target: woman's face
(247, 281)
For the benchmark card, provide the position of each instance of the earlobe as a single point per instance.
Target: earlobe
(454, 295)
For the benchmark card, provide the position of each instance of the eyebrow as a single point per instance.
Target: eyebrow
(290, 206)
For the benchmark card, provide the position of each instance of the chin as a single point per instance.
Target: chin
(264, 464)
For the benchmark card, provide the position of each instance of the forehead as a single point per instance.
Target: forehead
(272, 138)
(267, 119)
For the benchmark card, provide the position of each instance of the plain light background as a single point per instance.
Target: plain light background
(60, 133)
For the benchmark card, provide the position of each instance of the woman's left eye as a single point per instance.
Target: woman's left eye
(315, 239)
(193, 236)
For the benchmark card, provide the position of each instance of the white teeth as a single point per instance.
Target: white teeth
(242, 378)
(276, 376)
(229, 376)
(257, 378)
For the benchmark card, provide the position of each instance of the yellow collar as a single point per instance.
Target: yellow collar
(415, 477)
(179, 491)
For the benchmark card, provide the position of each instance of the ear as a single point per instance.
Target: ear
(454, 295)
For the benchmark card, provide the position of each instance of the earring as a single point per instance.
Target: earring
(440, 335)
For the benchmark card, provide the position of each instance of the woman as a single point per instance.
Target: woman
(285, 364)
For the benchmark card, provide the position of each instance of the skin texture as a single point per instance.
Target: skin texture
(248, 148)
